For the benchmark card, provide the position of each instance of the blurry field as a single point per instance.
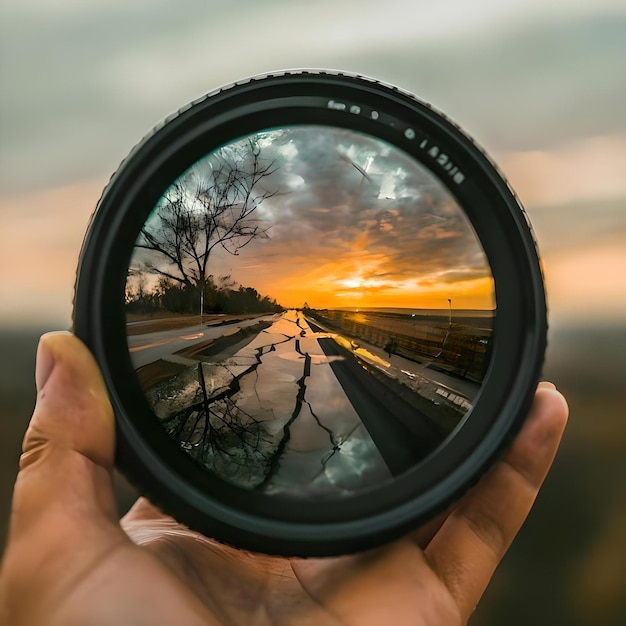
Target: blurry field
(567, 566)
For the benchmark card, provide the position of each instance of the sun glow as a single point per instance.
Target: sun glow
(351, 283)
(327, 287)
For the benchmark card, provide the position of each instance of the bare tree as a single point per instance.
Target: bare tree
(211, 206)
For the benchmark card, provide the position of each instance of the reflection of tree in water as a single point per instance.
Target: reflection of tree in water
(221, 436)
(229, 429)
(215, 429)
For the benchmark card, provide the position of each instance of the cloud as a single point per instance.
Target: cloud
(41, 237)
(352, 213)
(589, 169)
(588, 285)
(518, 75)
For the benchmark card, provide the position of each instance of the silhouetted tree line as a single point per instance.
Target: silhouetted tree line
(185, 298)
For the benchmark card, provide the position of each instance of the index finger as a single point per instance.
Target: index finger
(474, 538)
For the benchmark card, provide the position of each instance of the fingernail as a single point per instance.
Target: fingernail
(45, 364)
(547, 385)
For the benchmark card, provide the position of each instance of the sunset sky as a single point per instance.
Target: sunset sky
(539, 85)
(352, 222)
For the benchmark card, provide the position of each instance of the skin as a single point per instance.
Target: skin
(69, 559)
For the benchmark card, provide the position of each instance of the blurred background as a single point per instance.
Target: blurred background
(541, 85)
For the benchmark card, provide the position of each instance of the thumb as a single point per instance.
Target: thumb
(65, 476)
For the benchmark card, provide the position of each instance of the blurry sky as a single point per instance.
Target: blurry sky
(541, 85)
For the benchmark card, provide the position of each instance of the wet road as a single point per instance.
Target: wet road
(332, 427)
(151, 347)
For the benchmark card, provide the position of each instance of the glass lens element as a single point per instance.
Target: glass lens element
(309, 312)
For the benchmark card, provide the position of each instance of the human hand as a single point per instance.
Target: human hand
(69, 560)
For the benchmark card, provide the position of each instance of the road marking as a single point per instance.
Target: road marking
(153, 344)
(162, 342)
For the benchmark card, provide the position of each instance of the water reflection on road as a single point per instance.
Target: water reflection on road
(324, 447)
(271, 405)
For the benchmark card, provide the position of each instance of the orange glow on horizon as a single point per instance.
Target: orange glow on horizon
(349, 293)
(364, 280)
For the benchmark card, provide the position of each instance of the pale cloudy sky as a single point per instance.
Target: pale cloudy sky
(540, 84)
